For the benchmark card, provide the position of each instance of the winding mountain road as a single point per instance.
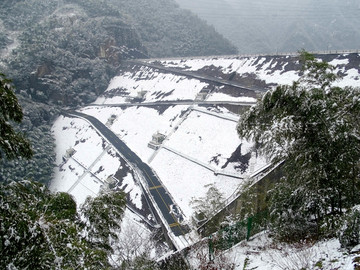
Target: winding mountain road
(176, 102)
(195, 75)
(160, 195)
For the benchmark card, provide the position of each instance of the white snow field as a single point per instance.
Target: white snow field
(247, 65)
(262, 253)
(136, 125)
(271, 70)
(157, 86)
(201, 145)
(92, 160)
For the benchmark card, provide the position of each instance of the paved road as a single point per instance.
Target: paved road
(177, 102)
(198, 76)
(157, 190)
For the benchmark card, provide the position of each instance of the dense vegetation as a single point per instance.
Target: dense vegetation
(64, 53)
(41, 230)
(69, 50)
(12, 144)
(314, 127)
(44, 230)
(65, 57)
(15, 149)
(166, 30)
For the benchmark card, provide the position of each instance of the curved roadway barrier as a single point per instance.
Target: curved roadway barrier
(158, 192)
(225, 117)
(177, 102)
(196, 76)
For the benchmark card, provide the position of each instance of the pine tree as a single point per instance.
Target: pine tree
(314, 127)
(12, 143)
(208, 205)
(42, 230)
(102, 218)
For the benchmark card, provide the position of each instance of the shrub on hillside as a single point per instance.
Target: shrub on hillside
(350, 232)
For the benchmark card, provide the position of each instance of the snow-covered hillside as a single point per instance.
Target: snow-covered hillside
(200, 146)
(271, 70)
(262, 253)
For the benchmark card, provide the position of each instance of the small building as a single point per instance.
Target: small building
(141, 94)
(201, 96)
(199, 218)
(129, 99)
(70, 152)
(138, 98)
(111, 120)
(109, 183)
(156, 140)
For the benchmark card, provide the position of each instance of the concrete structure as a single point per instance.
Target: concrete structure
(268, 177)
(109, 183)
(141, 94)
(201, 96)
(69, 153)
(139, 97)
(111, 120)
(156, 141)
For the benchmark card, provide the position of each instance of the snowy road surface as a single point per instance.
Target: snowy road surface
(165, 203)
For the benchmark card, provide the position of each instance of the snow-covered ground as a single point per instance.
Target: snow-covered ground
(157, 86)
(78, 149)
(85, 160)
(204, 137)
(261, 252)
(200, 141)
(272, 70)
(136, 125)
(247, 65)
(207, 138)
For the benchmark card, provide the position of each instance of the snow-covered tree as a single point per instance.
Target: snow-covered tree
(349, 234)
(102, 215)
(206, 257)
(42, 230)
(12, 143)
(314, 127)
(208, 205)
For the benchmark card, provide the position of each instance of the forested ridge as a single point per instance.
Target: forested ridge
(64, 53)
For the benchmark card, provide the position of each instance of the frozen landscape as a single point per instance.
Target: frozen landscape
(200, 144)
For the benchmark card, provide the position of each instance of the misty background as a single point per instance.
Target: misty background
(278, 26)
(63, 53)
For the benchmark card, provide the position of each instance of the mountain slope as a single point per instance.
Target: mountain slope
(64, 53)
(66, 50)
(166, 30)
(201, 148)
